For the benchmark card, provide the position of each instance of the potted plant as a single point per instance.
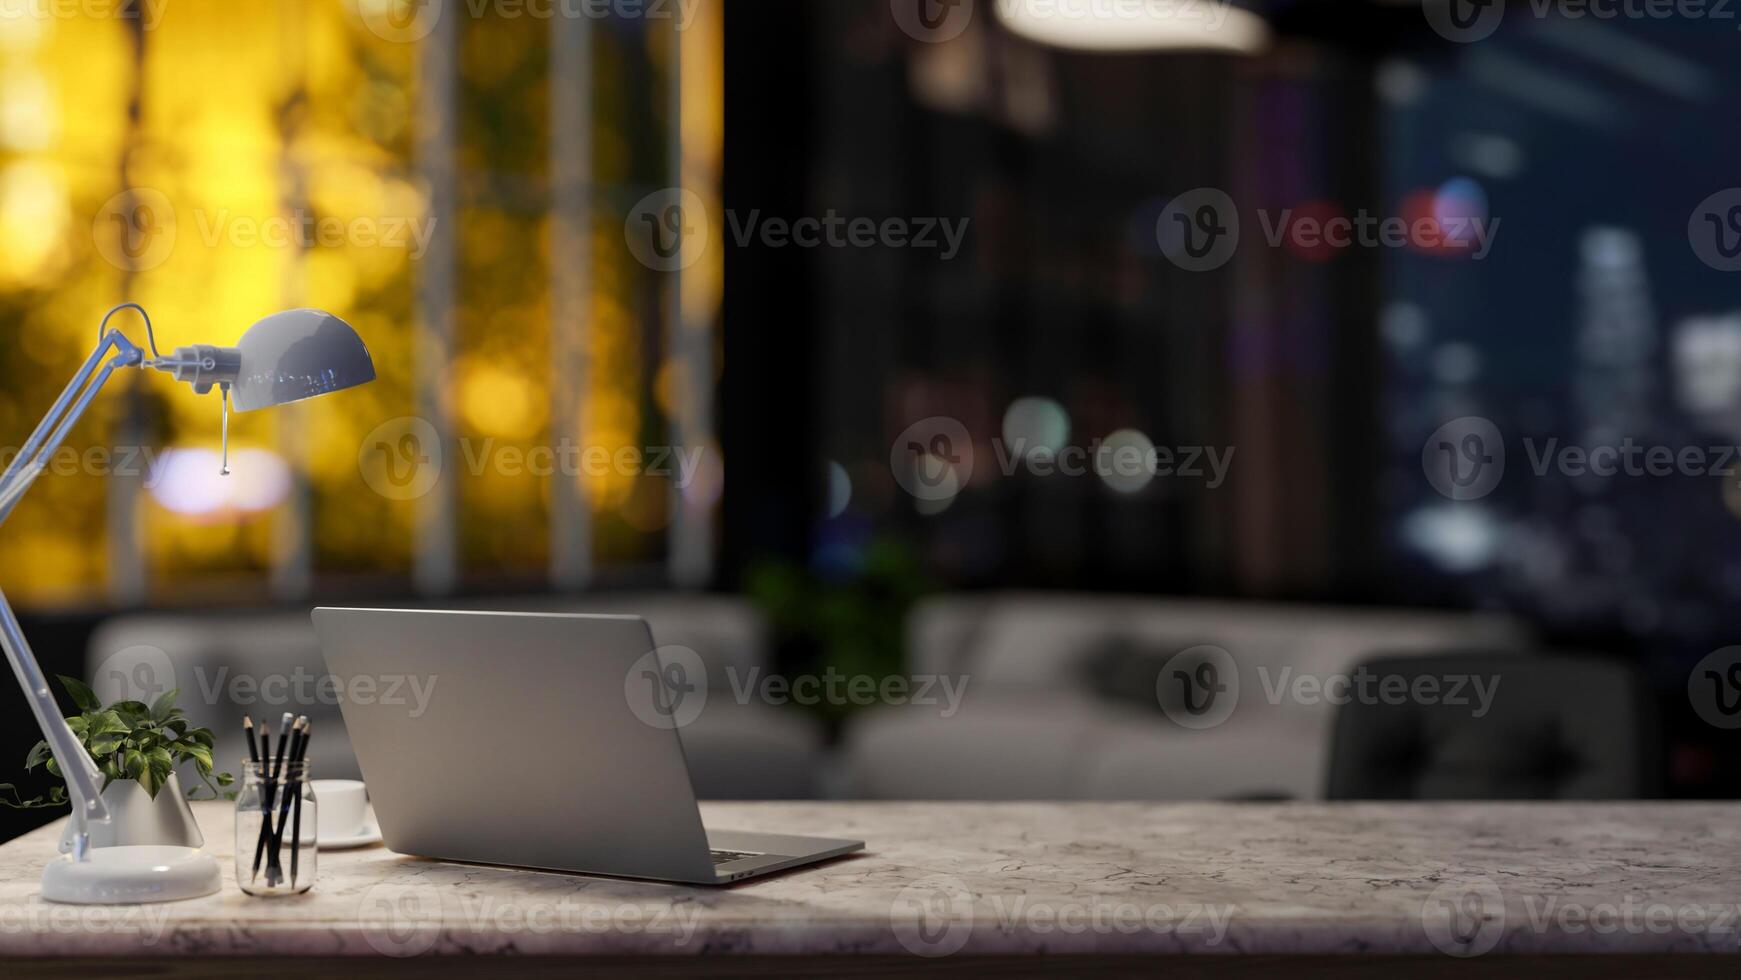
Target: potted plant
(137, 748)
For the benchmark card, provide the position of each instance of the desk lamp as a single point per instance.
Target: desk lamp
(284, 358)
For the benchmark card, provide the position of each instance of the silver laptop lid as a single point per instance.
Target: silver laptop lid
(523, 747)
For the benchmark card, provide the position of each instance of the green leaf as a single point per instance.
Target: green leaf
(39, 754)
(107, 721)
(158, 766)
(165, 703)
(81, 692)
(149, 779)
(53, 767)
(133, 763)
(101, 745)
(78, 724)
(135, 713)
(201, 756)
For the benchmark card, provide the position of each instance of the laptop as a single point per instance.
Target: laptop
(535, 741)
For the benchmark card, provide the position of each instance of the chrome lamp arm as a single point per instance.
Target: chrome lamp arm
(76, 765)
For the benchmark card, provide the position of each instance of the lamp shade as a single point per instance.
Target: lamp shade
(298, 354)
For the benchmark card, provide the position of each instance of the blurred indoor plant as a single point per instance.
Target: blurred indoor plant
(848, 615)
(137, 748)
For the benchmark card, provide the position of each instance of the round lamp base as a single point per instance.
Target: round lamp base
(131, 876)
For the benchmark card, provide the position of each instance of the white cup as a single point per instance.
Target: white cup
(344, 806)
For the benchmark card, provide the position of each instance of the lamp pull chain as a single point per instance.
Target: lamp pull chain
(224, 469)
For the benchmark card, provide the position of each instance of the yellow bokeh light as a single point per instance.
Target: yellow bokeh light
(33, 219)
(495, 401)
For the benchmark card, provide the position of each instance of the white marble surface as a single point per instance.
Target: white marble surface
(1003, 878)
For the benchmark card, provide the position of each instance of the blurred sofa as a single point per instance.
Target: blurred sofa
(1060, 697)
(231, 664)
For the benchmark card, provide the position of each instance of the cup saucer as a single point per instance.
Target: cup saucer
(368, 834)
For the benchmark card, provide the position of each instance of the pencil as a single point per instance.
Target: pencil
(265, 794)
(248, 735)
(284, 735)
(275, 864)
(296, 822)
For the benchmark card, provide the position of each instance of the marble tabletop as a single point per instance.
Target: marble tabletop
(1001, 878)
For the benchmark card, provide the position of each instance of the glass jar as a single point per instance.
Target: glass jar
(275, 830)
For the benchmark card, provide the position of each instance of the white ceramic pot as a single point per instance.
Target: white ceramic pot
(135, 818)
